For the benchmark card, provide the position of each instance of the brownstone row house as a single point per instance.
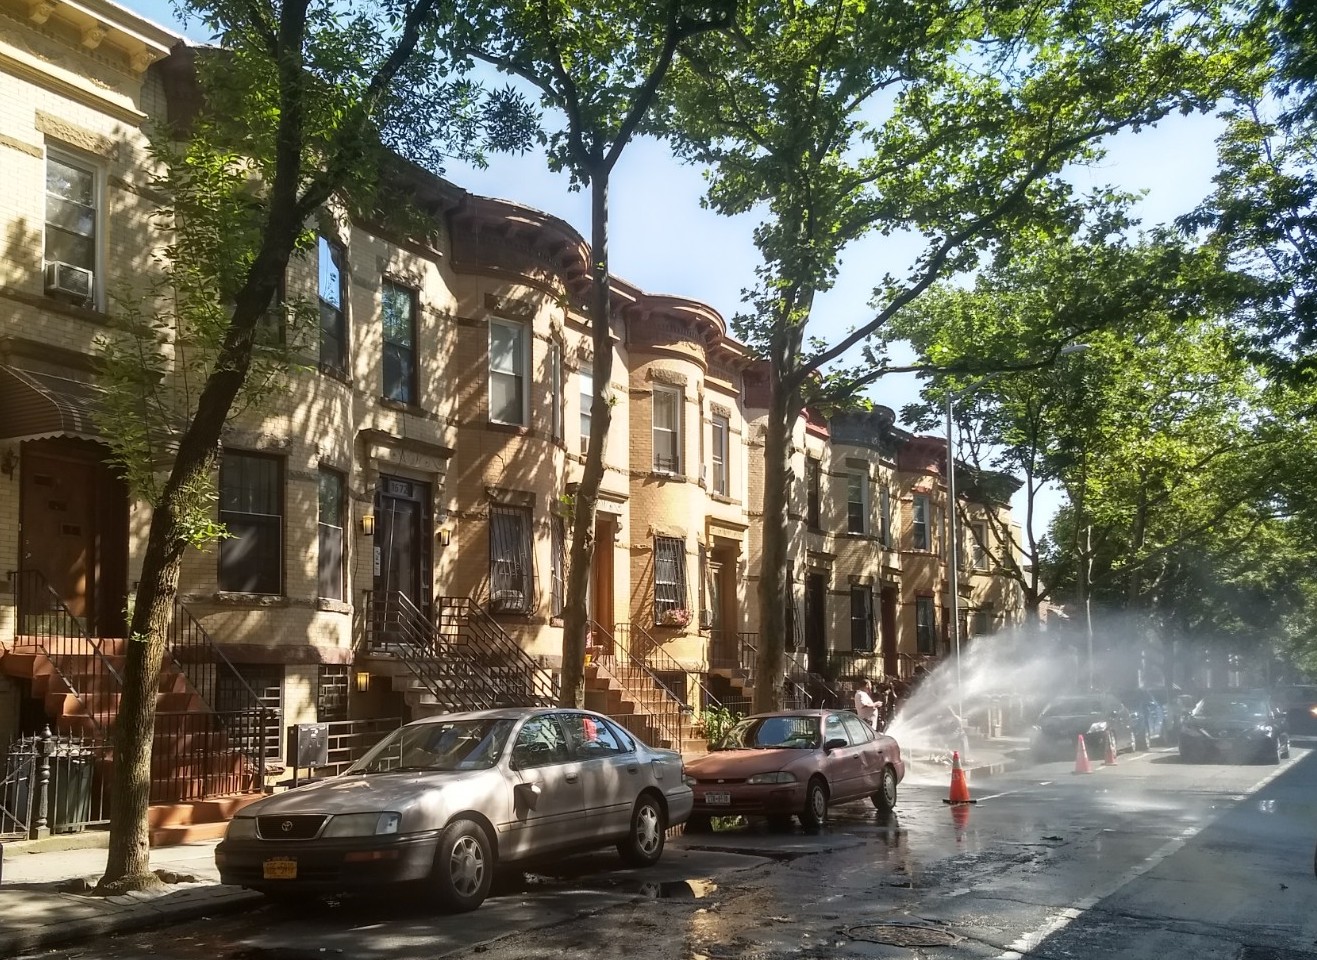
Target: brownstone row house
(399, 513)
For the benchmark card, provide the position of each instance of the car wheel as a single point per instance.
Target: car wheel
(1140, 740)
(1276, 753)
(463, 866)
(815, 813)
(1286, 754)
(699, 823)
(885, 796)
(644, 841)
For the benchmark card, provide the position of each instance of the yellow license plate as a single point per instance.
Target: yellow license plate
(280, 868)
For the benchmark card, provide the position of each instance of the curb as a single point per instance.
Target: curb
(148, 915)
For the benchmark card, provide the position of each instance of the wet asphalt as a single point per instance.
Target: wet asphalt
(1149, 859)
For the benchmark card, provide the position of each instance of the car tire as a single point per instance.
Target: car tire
(463, 867)
(1286, 754)
(815, 813)
(644, 840)
(1140, 740)
(884, 798)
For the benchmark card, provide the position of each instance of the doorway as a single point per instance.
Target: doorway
(73, 523)
(890, 599)
(402, 549)
(816, 632)
(600, 601)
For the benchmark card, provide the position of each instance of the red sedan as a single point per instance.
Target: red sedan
(796, 762)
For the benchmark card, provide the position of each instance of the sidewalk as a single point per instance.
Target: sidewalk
(45, 885)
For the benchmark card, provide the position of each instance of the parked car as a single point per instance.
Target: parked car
(1300, 706)
(795, 763)
(1147, 715)
(448, 800)
(1235, 725)
(1094, 716)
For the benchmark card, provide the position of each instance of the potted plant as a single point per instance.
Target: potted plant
(675, 617)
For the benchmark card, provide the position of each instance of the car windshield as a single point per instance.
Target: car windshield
(450, 745)
(761, 733)
(1231, 708)
(1073, 706)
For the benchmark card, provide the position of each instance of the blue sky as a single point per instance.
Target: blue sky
(664, 242)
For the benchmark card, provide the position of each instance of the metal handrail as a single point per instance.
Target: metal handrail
(68, 639)
(652, 653)
(663, 709)
(492, 650)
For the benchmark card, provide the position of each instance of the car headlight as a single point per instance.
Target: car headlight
(687, 779)
(1263, 728)
(241, 828)
(781, 776)
(1099, 727)
(362, 824)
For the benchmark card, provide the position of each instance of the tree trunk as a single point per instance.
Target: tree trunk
(773, 592)
(128, 865)
(575, 615)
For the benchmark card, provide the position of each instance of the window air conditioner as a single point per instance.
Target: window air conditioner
(69, 281)
(507, 600)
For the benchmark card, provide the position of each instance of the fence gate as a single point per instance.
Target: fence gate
(53, 784)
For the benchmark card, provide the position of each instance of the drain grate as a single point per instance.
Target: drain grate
(903, 934)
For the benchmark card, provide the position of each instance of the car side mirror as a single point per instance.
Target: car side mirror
(834, 744)
(527, 795)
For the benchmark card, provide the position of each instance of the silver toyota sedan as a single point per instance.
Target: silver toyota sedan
(446, 799)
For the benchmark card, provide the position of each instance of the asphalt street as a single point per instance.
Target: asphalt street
(1149, 859)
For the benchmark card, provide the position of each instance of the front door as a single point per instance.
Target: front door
(601, 577)
(816, 633)
(887, 629)
(402, 543)
(74, 532)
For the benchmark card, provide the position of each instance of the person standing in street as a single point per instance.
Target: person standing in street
(865, 705)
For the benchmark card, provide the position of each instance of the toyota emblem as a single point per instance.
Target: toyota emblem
(286, 826)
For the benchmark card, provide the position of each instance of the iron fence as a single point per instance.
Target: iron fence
(198, 755)
(350, 740)
(54, 784)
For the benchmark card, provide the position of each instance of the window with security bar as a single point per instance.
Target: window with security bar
(266, 680)
(666, 412)
(669, 578)
(332, 693)
(509, 558)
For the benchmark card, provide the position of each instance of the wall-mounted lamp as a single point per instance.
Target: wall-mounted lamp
(363, 681)
(368, 524)
(445, 536)
(9, 462)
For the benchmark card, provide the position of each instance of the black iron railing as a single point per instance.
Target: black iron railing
(350, 740)
(857, 663)
(83, 668)
(688, 684)
(660, 712)
(200, 754)
(396, 627)
(53, 784)
(466, 628)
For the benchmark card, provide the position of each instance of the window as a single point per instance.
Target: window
(669, 576)
(333, 307)
(667, 429)
(332, 693)
(71, 221)
(398, 315)
(555, 398)
(813, 475)
(978, 548)
(885, 515)
(594, 737)
(509, 558)
(922, 540)
(586, 378)
(861, 618)
(251, 508)
(331, 534)
(540, 742)
(857, 502)
(925, 626)
(719, 432)
(558, 562)
(984, 621)
(858, 731)
(507, 372)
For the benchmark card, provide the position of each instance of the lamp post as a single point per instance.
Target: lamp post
(953, 539)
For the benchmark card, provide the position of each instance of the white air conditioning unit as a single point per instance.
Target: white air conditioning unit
(507, 600)
(67, 280)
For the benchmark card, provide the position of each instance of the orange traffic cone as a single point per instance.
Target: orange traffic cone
(1081, 757)
(1110, 761)
(959, 785)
